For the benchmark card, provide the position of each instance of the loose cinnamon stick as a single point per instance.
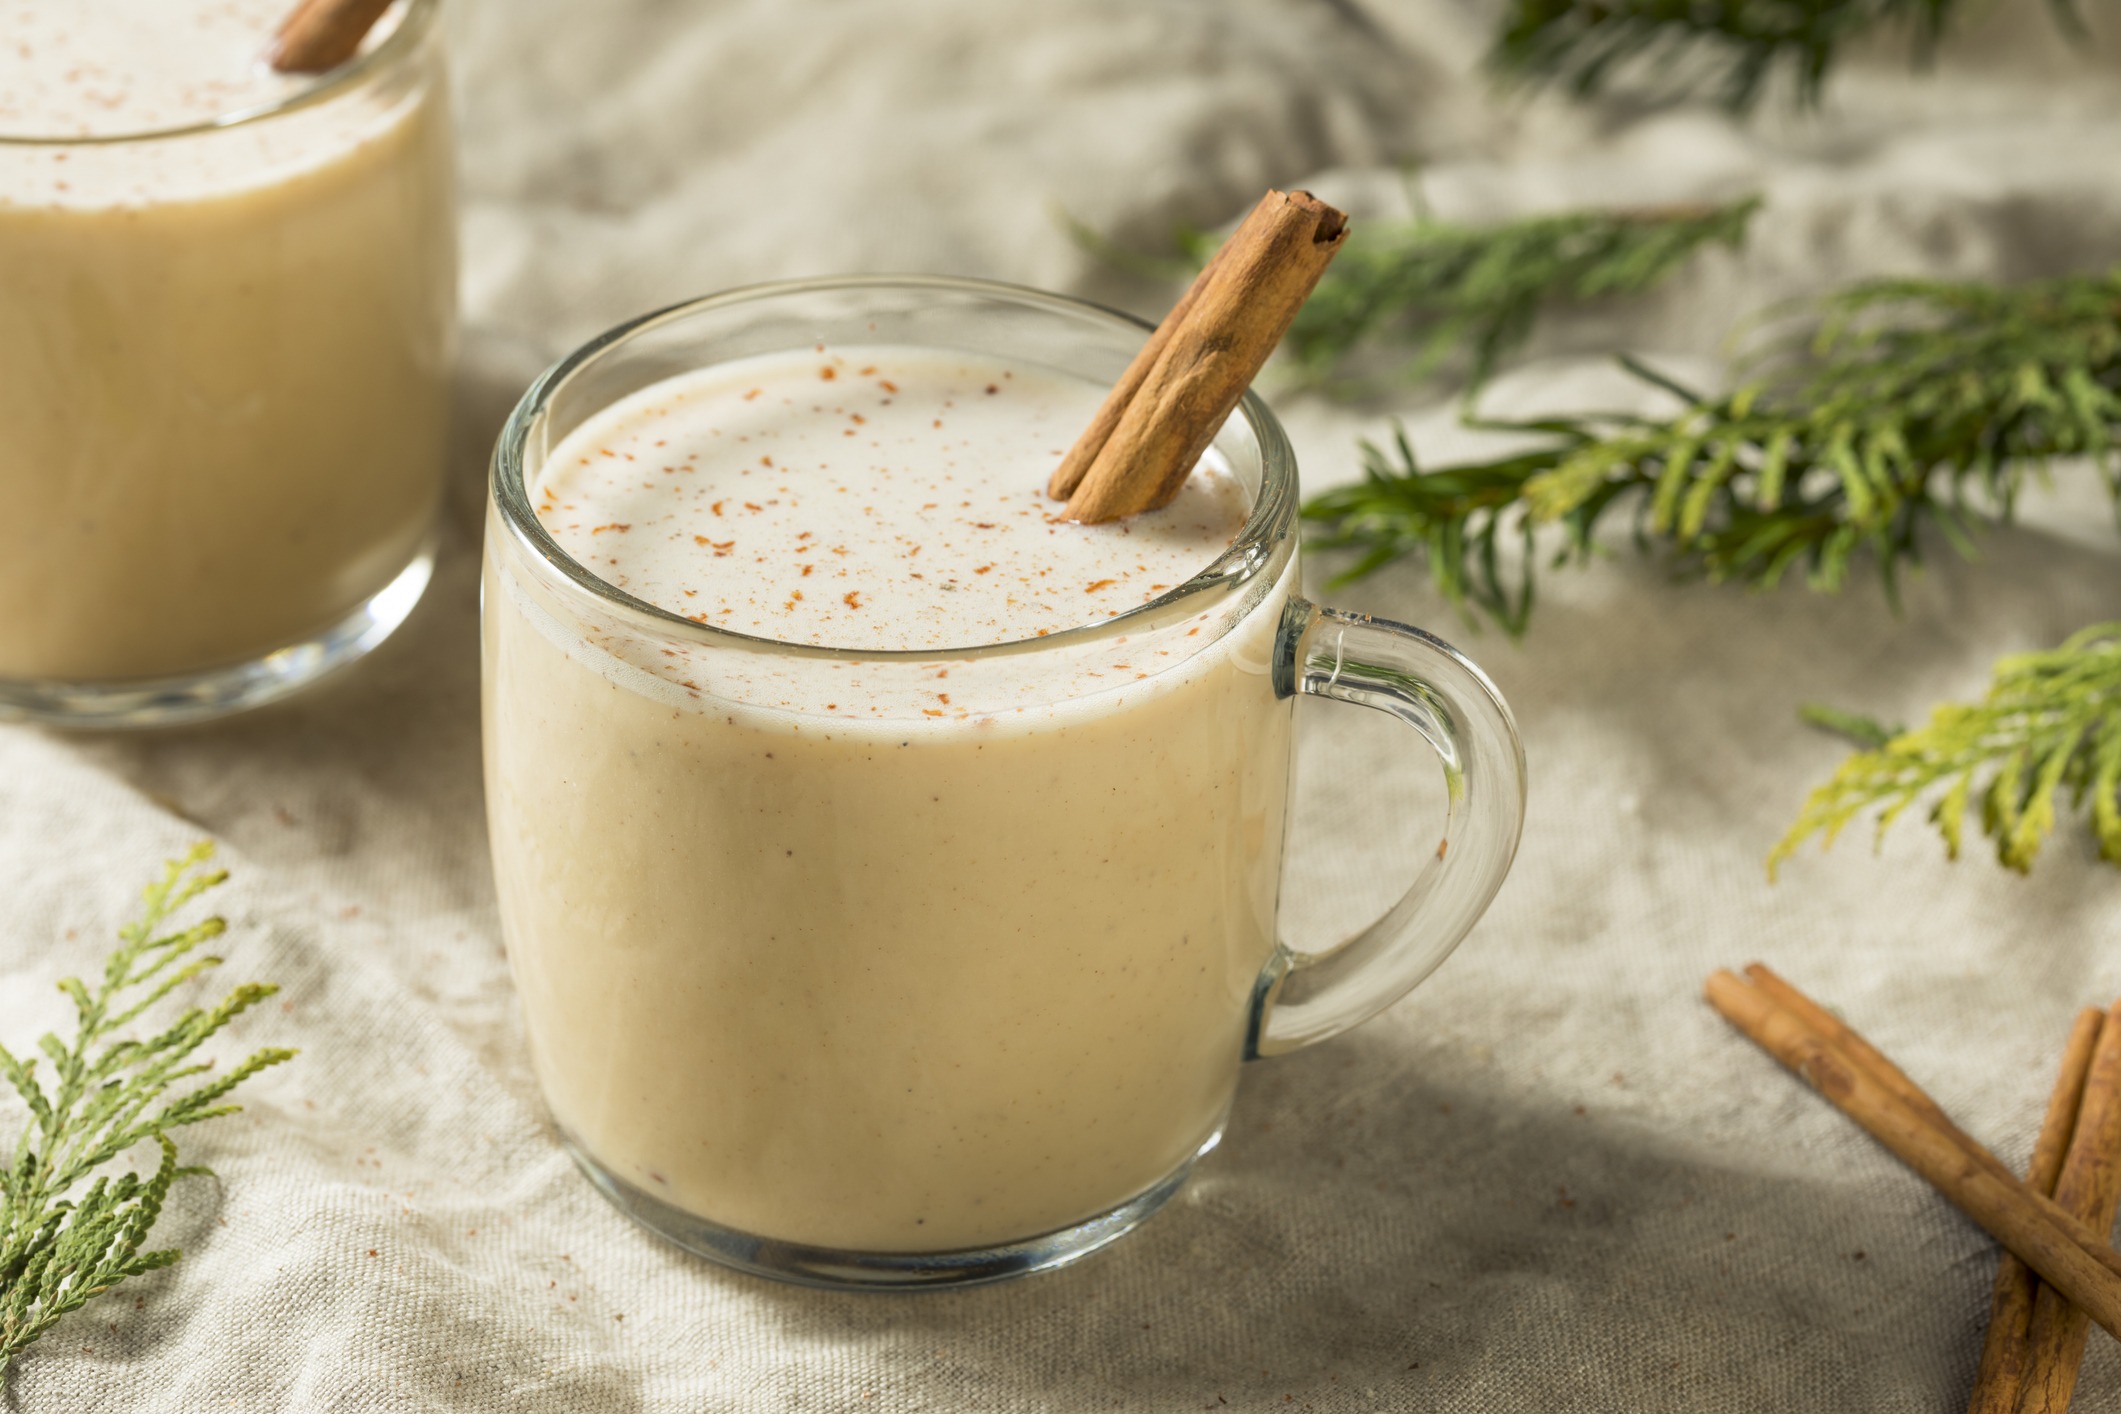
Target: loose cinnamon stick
(2004, 1350)
(2090, 1187)
(1858, 1050)
(1172, 401)
(1861, 1053)
(2060, 1247)
(323, 34)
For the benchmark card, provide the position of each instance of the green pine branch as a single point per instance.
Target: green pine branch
(1475, 291)
(2049, 728)
(1911, 407)
(1730, 49)
(1451, 292)
(62, 1245)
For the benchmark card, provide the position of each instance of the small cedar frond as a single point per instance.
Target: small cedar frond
(2048, 731)
(62, 1244)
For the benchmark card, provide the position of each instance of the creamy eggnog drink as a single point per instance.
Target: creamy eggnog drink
(955, 955)
(888, 865)
(226, 303)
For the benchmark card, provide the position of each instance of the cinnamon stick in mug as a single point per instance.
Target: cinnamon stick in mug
(1166, 409)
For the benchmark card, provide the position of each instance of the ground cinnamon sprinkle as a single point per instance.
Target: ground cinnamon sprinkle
(995, 565)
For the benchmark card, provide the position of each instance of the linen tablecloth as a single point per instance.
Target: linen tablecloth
(1550, 1179)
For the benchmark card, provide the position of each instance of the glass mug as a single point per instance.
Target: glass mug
(224, 377)
(928, 1001)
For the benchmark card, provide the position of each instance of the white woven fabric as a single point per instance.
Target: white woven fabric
(1552, 1179)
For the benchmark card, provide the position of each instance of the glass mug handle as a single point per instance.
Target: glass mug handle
(1433, 688)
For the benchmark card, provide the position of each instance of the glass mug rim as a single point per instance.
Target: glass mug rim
(397, 47)
(1251, 554)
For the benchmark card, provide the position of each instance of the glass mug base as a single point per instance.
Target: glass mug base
(838, 1270)
(219, 692)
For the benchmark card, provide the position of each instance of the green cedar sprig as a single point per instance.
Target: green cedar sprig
(1728, 48)
(1912, 405)
(1457, 518)
(2050, 726)
(1450, 291)
(61, 1245)
(1445, 289)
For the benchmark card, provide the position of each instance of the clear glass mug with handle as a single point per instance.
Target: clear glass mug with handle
(934, 997)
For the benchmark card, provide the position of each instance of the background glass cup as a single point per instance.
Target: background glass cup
(224, 386)
(926, 1001)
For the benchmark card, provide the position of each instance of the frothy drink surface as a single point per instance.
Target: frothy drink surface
(880, 497)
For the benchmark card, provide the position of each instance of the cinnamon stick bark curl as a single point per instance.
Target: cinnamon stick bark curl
(1165, 410)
